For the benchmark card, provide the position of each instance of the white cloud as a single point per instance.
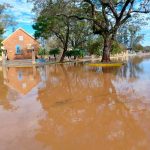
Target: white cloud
(21, 10)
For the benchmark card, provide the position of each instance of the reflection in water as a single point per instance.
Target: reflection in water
(132, 69)
(74, 106)
(19, 109)
(21, 80)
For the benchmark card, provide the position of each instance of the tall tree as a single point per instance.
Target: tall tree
(80, 34)
(70, 32)
(106, 16)
(109, 16)
(48, 26)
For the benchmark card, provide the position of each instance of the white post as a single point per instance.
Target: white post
(3, 58)
(33, 56)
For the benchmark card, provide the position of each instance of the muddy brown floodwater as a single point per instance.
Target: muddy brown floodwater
(76, 107)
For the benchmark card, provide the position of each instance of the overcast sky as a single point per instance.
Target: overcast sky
(23, 15)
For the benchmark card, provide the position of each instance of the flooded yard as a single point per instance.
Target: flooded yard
(76, 107)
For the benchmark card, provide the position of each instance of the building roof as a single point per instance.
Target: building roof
(15, 32)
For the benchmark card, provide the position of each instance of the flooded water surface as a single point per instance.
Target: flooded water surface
(76, 107)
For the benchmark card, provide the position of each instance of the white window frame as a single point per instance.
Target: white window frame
(21, 38)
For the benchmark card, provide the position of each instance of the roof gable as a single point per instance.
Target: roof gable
(15, 32)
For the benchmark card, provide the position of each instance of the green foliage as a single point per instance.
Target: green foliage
(95, 46)
(68, 54)
(76, 53)
(79, 33)
(58, 18)
(0, 47)
(1, 29)
(117, 48)
(6, 20)
(54, 51)
(42, 51)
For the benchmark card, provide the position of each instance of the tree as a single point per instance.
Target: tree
(69, 31)
(50, 23)
(106, 16)
(80, 33)
(55, 52)
(47, 26)
(95, 45)
(129, 33)
(117, 47)
(6, 20)
(77, 53)
(42, 51)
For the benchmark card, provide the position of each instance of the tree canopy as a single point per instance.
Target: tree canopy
(6, 20)
(104, 16)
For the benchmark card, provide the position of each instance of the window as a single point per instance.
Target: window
(20, 38)
(18, 49)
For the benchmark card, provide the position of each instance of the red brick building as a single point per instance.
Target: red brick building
(19, 45)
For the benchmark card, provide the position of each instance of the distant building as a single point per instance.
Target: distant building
(19, 45)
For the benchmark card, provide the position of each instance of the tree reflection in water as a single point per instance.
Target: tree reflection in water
(132, 69)
(84, 111)
(74, 106)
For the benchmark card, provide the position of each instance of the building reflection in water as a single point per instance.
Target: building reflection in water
(19, 109)
(22, 80)
(74, 106)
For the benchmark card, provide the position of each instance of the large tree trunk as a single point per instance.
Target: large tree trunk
(66, 42)
(107, 49)
(63, 54)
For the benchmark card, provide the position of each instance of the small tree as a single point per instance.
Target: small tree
(42, 52)
(54, 52)
(77, 53)
(68, 54)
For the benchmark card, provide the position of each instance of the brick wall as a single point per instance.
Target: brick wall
(13, 40)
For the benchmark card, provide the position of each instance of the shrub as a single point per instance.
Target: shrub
(42, 51)
(77, 53)
(54, 52)
(68, 54)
